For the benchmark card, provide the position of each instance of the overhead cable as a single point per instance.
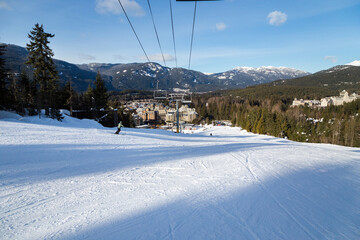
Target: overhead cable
(173, 32)
(134, 30)
(192, 34)
(157, 36)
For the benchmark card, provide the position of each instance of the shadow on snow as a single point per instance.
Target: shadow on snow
(56, 161)
(303, 205)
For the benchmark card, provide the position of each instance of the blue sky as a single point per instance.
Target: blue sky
(309, 35)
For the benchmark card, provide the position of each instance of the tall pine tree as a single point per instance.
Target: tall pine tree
(100, 93)
(70, 93)
(45, 74)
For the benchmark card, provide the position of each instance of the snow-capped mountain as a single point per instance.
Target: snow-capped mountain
(145, 76)
(336, 69)
(246, 76)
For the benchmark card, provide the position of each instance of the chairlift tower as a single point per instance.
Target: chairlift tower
(183, 97)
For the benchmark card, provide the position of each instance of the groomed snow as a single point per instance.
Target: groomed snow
(78, 180)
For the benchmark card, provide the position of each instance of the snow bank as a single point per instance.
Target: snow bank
(5, 115)
(43, 120)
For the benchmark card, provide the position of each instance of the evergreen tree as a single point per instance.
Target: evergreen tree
(70, 95)
(15, 96)
(45, 74)
(260, 127)
(89, 101)
(89, 98)
(27, 90)
(3, 78)
(100, 93)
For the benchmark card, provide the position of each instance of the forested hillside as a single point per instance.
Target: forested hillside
(321, 84)
(336, 124)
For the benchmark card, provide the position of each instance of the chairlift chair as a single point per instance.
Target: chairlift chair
(181, 97)
(160, 94)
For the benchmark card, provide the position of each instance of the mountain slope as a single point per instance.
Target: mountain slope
(247, 76)
(315, 86)
(145, 76)
(336, 78)
(15, 58)
(77, 180)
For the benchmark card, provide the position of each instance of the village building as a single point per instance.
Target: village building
(158, 113)
(170, 116)
(301, 102)
(186, 114)
(326, 102)
(344, 97)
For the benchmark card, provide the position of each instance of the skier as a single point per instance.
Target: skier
(119, 127)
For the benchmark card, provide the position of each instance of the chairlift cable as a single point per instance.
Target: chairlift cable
(134, 31)
(173, 32)
(192, 34)
(157, 36)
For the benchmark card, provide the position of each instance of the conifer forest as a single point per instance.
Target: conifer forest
(335, 124)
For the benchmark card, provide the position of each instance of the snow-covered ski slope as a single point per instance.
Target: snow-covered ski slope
(78, 180)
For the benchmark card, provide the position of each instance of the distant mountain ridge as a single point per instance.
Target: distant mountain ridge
(336, 78)
(144, 75)
(147, 76)
(241, 76)
(315, 86)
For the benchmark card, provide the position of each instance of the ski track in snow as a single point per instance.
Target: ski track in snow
(78, 180)
(256, 178)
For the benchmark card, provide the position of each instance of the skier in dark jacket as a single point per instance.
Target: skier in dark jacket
(119, 127)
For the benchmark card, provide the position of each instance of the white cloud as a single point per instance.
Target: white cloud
(113, 6)
(220, 26)
(158, 57)
(276, 18)
(4, 5)
(86, 57)
(354, 63)
(331, 59)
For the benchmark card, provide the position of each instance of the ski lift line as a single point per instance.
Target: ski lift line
(173, 32)
(157, 36)
(134, 30)
(192, 34)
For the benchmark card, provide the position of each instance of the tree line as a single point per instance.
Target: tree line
(335, 124)
(29, 95)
